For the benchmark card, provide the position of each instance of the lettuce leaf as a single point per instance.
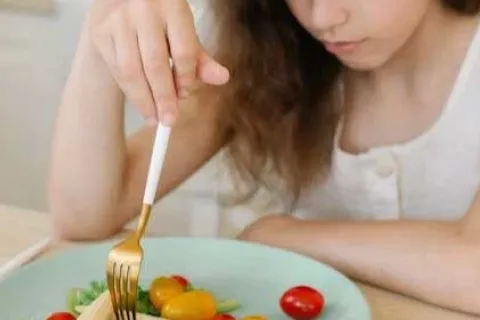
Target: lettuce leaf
(85, 296)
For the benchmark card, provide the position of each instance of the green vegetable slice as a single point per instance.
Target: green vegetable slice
(85, 296)
(227, 306)
(72, 297)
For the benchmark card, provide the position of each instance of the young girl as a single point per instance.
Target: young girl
(367, 112)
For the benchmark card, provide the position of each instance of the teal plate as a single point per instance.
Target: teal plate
(255, 275)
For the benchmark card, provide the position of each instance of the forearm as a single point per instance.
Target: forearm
(88, 151)
(428, 260)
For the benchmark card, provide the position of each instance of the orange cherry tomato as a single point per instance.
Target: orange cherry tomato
(190, 305)
(302, 303)
(162, 289)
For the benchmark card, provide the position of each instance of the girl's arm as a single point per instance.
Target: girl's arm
(438, 262)
(97, 177)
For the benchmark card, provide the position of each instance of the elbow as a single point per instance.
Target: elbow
(71, 232)
(68, 228)
(72, 221)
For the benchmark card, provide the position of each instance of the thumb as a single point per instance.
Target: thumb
(210, 71)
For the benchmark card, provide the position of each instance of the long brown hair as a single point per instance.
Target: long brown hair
(280, 109)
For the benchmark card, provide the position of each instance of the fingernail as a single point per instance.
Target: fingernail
(168, 118)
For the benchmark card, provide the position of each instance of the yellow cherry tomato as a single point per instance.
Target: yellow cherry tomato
(255, 317)
(191, 305)
(163, 289)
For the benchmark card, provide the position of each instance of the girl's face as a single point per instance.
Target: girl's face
(362, 34)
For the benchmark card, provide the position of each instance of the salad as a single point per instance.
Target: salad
(174, 297)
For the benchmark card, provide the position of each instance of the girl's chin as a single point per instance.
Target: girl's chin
(362, 63)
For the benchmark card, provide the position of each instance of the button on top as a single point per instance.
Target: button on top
(385, 165)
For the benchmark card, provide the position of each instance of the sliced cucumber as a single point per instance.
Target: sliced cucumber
(72, 301)
(227, 306)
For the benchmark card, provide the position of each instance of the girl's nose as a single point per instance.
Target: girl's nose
(328, 14)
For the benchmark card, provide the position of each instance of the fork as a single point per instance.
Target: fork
(125, 258)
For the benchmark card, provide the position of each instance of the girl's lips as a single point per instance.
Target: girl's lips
(341, 47)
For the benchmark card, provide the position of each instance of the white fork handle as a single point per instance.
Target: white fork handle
(160, 145)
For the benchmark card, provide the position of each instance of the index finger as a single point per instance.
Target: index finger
(156, 63)
(184, 45)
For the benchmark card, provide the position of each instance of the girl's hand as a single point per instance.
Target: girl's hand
(137, 39)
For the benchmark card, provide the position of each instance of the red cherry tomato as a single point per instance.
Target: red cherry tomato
(61, 316)
(182, 280)
(224, 316)
(302, 303)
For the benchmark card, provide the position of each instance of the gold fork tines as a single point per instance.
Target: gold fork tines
(123, 268)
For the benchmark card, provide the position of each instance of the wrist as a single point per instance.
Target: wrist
(87, 54)
(90, 72)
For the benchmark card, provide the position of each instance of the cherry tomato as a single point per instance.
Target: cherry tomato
(224, 316)
(61, 316)
(191, 305)
(163, 289)
(182, 280)
(255, 317)
(302, 303)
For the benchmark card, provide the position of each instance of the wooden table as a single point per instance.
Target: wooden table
(20, 228)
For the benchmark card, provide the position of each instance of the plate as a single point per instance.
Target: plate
(254, 274)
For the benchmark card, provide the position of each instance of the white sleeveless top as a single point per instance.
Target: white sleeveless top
(434, 176)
